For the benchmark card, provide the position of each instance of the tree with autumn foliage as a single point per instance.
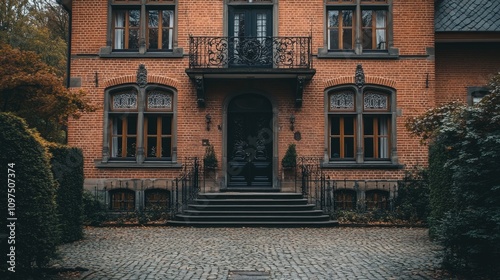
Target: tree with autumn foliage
(40, 26)
(464, 168)
(30, 89)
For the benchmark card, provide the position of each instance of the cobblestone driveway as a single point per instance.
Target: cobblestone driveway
(282, 253)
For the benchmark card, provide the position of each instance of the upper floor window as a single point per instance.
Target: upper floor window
(155, 31)
(361, 125)
(357, 25)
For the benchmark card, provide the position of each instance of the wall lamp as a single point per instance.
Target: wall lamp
(292, 122)
(208, 120)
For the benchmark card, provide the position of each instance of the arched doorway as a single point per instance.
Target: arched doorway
(250, 140)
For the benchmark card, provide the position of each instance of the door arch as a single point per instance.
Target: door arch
(250, 141)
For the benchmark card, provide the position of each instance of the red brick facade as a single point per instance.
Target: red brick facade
(419, 80)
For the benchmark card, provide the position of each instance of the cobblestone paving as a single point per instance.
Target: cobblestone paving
(283, 253)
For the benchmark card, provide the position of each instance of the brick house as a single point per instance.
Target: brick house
(337, 78)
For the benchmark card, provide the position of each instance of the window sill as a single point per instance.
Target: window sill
(390, 54)
(365, 165)
(132, 164)
(106, 52)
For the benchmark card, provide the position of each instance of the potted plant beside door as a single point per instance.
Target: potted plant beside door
(210, 160)
(289, 161)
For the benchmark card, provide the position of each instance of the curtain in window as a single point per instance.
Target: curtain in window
(119, 30)
(383, 141)
(168, 25)
(115, 141)
(381, 29)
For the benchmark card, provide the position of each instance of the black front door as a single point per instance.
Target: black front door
(250, 142)
(250, 37)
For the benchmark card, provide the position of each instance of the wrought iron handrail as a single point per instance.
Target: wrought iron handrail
(250, 52)
(186, 187)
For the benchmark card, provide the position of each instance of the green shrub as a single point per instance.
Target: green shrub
(36, 227)
(94, 213)
(440, 185)
(465, 183)
(290, 158)
(412, 201)
(67, 167)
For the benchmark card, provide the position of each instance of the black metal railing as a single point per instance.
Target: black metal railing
(314, 185)
(186, 187)
(330, 194)
(250, 52)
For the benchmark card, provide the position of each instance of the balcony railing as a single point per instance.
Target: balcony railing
(250, 52)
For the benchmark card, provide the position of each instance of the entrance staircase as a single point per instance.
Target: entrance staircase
(251, 210)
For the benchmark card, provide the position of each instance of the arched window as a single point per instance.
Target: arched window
(377, 200)
(123, 123)
(158, 125)
(361, 125)
(122, 200)
(139, 131)
(345, 199)
(156, 198)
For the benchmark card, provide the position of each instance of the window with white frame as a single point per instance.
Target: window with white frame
(130, 28)
(361, 25)
(361, 124)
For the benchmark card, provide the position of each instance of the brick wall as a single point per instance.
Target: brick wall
(462, 65)
(413, 34)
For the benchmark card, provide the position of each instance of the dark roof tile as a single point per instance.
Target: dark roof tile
(467, 15)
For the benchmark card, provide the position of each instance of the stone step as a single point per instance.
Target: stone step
(251, 207)
(260, 209)
(250, 201)
(252, 195)
(253, 213)
(330, 223)
(225, 218)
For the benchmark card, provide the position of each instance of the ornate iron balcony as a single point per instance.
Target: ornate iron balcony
(250, 52)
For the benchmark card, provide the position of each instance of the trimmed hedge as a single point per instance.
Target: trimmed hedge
(412, 201)
(440, 185)
(36, 227)
(67, 167)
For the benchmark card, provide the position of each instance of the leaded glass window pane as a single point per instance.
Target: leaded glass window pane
(342, 101)
(376, 101)
(159, 100)
(125, 100)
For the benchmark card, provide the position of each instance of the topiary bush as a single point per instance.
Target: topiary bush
(34, 205)
(67, 167)
(290, 158)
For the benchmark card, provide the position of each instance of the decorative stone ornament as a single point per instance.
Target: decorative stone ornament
(142, 76)
(359, 77)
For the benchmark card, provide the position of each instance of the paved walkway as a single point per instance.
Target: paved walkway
(226, 253)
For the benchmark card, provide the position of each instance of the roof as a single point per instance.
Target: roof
(467, 16)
